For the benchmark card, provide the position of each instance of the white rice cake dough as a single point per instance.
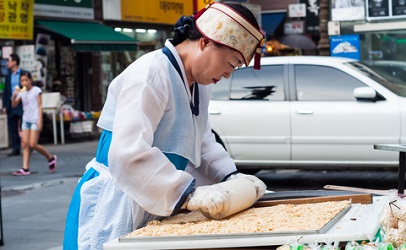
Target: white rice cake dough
(280, 218)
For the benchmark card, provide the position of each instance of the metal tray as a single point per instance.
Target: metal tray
(322, 230)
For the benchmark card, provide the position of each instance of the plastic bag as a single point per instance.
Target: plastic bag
(393, 220)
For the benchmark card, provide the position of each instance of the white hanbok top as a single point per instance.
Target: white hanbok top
(148, 111)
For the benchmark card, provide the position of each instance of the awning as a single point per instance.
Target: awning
(298, 41)
(271, 21)
(90, 36)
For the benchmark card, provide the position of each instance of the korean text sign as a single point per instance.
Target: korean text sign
(16, 19)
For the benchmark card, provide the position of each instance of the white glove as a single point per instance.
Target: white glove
(260, 186)
(212, 199)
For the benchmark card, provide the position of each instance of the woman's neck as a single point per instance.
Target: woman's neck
(185, 51)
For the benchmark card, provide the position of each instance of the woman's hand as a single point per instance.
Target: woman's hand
(16, 91)
(212, 199)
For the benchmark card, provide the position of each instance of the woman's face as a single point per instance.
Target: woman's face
(214, 62)
(25, 81)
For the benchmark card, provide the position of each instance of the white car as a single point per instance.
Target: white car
(309, 112)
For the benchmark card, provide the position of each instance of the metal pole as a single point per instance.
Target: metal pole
(401, 173)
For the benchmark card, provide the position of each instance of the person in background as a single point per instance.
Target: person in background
(157, 153)
(13, 114)
(31, 99)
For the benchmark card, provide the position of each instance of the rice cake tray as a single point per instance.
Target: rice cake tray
(279, 220)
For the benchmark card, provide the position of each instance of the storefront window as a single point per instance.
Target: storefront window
(389, 46)
(114, 62)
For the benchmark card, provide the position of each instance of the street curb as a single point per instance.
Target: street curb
(41, 184)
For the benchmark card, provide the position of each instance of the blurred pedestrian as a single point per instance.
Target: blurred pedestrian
(157, 152)
(31, 99)
(13, 113)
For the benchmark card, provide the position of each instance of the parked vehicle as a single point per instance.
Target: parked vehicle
(390, 69)
(309, 112)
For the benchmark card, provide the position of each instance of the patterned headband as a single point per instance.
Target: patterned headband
(224, 25)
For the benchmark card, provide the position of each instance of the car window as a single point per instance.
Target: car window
(264, 84)
(322, 83)
(391, 76)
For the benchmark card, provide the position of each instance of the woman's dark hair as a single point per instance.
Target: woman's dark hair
(245, 12)
(185, 26)
(27, 74)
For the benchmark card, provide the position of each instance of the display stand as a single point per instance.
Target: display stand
(401, 148)
(51, 103)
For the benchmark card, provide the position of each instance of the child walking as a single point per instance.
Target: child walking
(31, 123)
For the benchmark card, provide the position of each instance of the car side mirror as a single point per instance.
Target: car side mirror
(365, 94)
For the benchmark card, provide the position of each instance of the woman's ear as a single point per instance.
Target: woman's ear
(203, 42)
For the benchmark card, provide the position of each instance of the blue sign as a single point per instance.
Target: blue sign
(345, 46)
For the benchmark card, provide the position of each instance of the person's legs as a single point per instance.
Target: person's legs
(41, 149)
(26, 148)
(25, 170)
(13, 128)
(34, 136)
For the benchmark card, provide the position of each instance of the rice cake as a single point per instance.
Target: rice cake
(280, 218)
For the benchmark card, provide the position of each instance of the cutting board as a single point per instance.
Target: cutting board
(312, 196)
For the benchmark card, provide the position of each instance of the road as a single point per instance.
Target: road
(34, 207)
(279, 180)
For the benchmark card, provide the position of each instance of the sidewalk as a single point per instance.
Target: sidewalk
(34, 207)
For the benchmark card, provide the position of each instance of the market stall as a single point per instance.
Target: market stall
(358, 222)
(73, 123)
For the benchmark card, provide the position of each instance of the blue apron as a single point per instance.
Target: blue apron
(72, 218)
(72, 221)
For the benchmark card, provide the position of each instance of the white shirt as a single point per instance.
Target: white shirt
(29, 99)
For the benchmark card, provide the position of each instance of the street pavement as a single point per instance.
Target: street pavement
(34, 207)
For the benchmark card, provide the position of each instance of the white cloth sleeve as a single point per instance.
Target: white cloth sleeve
(140, 170)
(216, 163)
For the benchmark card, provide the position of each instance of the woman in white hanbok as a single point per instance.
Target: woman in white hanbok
(156, 153)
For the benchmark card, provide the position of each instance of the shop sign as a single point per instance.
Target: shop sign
(202, 3)
(77, 9)
(16, 19)
(30, 61)
(6, 51)
(345, 46)
(26, 54)
(294, 27)
(347, 10)
(297, 10)
(386, 9)
(147, 11)
(312, 16)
